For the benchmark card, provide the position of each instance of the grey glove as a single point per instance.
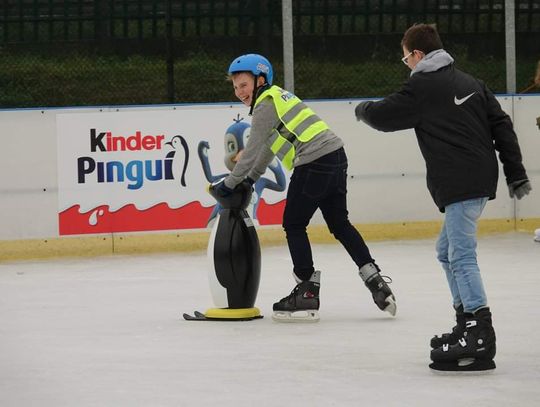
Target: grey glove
(360, 109)
(519, 188)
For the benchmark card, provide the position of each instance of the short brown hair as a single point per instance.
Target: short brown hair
(423, 37)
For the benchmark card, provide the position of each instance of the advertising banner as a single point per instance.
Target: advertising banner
(149, 170)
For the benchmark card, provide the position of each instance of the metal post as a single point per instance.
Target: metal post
(288, 53)
(170, 53)
(510, 39)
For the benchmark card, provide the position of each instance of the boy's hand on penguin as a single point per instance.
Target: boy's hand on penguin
(221, 189)
(245, 185)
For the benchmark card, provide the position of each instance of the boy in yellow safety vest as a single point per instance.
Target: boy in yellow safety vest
(285, 127)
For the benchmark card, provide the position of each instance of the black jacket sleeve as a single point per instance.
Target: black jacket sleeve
(397, 111)
(505, 140)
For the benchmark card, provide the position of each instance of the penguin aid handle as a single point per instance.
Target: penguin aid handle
(238, 199)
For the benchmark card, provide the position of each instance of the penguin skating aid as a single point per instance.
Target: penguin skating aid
(235, 255)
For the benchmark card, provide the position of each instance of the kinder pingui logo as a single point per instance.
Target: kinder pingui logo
(133, 172)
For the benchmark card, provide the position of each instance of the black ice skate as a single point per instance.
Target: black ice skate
(302, 304)
(451, 338)
(473, 352)
(382, 295)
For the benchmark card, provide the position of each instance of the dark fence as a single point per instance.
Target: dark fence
(81, 52)
(84, 20)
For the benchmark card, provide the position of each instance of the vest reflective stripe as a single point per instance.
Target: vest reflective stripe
(299, 118)
(284, 150)
(303, 128)
(278, 142)
(291, 114)
(288, 159)
(315, 128)
(300, 124)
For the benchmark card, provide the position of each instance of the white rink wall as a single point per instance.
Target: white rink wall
(386, 170)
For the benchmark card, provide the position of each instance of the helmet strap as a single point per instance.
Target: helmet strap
(254, 96)
(256, 92)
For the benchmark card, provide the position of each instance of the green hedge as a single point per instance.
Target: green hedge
(30, 80)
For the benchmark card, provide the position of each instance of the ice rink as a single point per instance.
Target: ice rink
(108, 332)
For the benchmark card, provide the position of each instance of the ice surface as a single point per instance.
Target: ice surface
(108, 332)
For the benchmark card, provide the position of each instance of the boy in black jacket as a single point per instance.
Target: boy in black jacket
(459, 126)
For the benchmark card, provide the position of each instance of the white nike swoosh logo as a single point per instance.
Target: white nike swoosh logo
(462, 100)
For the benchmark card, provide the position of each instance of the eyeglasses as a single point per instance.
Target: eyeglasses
(406, 57)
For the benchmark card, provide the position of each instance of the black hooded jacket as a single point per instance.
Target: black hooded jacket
(459, 126)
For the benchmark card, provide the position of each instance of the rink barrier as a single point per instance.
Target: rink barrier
(192, 241)
(386, 180)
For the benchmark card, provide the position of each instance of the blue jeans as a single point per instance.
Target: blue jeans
(456, 250)
(320, 184)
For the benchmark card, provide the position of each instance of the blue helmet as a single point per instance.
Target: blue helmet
(254, 63)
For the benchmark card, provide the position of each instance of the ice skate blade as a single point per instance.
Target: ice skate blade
(391, 308)
(297, 316)
(464, 366)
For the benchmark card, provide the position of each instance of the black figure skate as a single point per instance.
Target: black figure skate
(382, 295)
(302, 304)
(451, 338)
(473, 352)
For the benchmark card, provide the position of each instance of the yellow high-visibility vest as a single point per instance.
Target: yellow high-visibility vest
(299, 124)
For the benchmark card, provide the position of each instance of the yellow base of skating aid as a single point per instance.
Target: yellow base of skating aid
(225, 314)
(233, 314)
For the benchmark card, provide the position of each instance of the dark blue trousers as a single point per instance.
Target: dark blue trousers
(320, 184)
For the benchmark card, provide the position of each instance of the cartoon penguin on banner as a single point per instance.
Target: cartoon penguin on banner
(236, 138)
(177, 162)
